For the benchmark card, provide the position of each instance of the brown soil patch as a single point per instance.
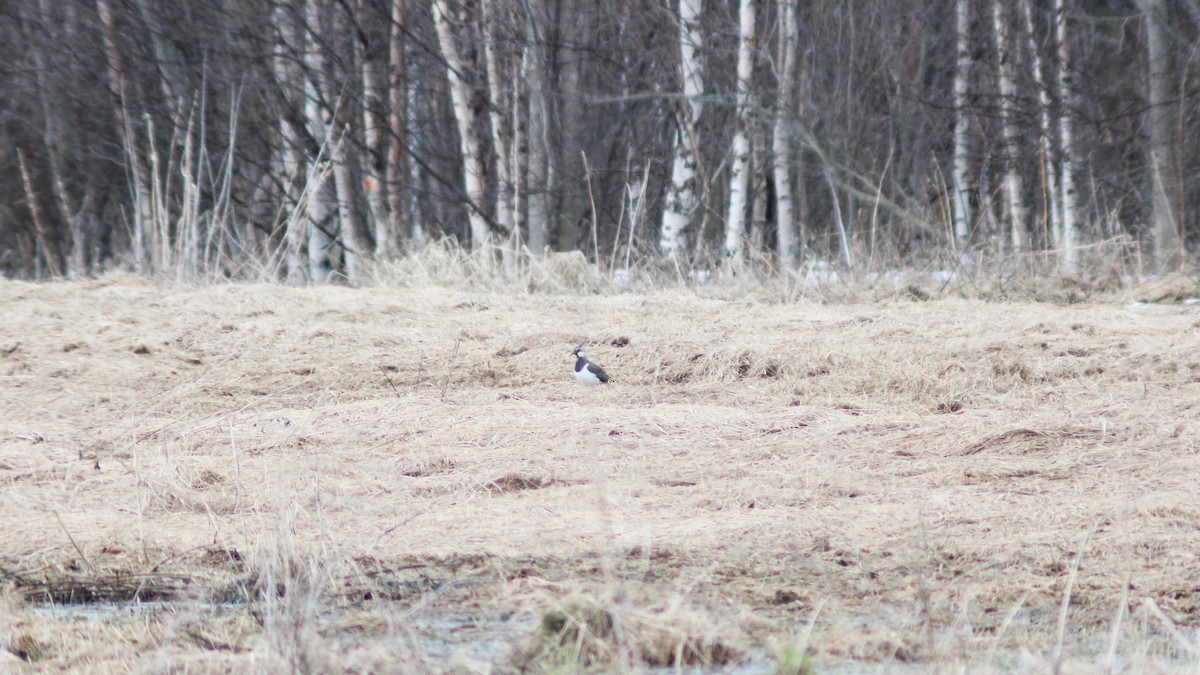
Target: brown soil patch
(380, 477)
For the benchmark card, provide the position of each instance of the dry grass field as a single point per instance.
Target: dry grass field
(233, 478)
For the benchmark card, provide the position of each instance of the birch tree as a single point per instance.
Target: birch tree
(682, 197)
(502, 138)
(375, 141)
(759, 166)
(1051, 196)
(143, 232)
(536, 144)
(288, 75)
(1069, 249)
(739, 182)
(474, 166)
(784, 217)
(55, 144)
(397, 122)
(353, 243)
(961, 208)
(1014, 191)
(1168, 247)
(322, 197)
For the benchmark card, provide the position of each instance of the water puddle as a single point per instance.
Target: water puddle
(448, 640)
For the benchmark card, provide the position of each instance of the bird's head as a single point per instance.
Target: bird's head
(579, 351)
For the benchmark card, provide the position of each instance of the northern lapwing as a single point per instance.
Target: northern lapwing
(587, 372)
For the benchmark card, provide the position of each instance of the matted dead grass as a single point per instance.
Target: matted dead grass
(405, 479)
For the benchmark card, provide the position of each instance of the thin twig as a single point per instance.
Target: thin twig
(395, 527)
(237, 470)
(389, 381)
(1114, 633)
(637, 216)
(1066, 600)
(1008, 619)
(806, 636)
(1166, 622)
(595, 242)
(450, 367)
(36, 213)
(78, 550)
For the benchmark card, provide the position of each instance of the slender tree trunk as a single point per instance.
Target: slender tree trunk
(780, 150)
(168, 61)
(419, 210)
(323, 200)
(354, 246)
(1014, 191)
(961, 168)
(758, 187)
(288, 74)
(839, 221)
(739, 183)
(682, 198)
(565, 122)
(53, 142)
(45, 247)
(537, 180)
(143, 230)
(397, 85)
(345, 145)
(520, 146)
(464, 114)
(502, 141)
(375, 145)
(1051, 197)
(1070, 228)
(1168, 246)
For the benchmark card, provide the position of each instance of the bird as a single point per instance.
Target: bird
(587, 372)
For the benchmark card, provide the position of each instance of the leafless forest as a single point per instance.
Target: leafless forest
(311, 141)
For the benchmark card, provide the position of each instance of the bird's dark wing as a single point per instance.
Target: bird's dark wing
(600, 374)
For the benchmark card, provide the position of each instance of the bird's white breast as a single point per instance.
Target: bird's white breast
(587, 377)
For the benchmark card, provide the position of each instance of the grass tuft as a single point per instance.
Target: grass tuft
(584, 633)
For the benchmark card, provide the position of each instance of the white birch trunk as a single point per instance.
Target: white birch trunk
(322, 200)
(1052, 204)
(565, 124)
(1168, 247)
(839, 222)
(289, 77)
(520, 149)
(501, 142)
(1069, 254)
(355, 251)
(460, 96)
(961, 210)
(682, 199)
(739, 183)
(537, 180)
(1014, 198)
(354, 248)
(784, 216)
